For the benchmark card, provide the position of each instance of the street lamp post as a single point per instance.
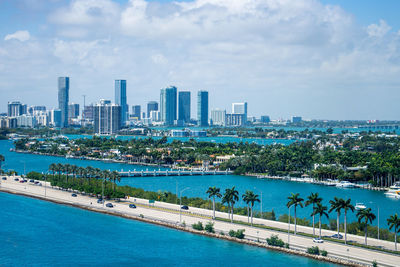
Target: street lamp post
(288, 231)
(180, 204)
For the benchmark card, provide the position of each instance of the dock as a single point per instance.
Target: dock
(145, 173)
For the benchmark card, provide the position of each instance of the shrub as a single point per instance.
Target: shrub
(313, 250)
(238, 234)
(232, 233)
(286, 245)
(209, 227)
(374, 263)
(198, 226)
(324, 253)
(275, 241)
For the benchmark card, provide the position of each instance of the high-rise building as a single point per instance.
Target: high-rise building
(151, 106)
(63, 99)
(168, 105)
(136, 112)
(55, 117)
(297, 119)
(265, 119)
(202, 108)
(120, 99)
(88, 113)
(15, 109)
(235, 119)
(34, 109)
(154, 115)
(218, 117)
(107, 118)
(184, 106)
(73, 111)
(240, 108)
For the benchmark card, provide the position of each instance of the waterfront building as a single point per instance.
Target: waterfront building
(151, 106)
(184, 106)
(297, 119)
(63, 99)
(120, 99)
(168, 105)
(218, 117)
(107, 118)
(41, 117)
(135, 112)
(73, 111)
(154, 115)
(15, 108)
(265, 119)
(34, 109)
(55, 118)
(202, 108)
(235, 120)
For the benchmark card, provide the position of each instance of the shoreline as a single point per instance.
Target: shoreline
(181, 228)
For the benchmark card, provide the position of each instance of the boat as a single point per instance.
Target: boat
(360, 206)
(330, 182)
(345, 184)
(395, 187)
(393, 194)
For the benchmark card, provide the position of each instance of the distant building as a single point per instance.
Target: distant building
(235, 120)
(168, 105)
(34, 109)
(15, 109)
(136, 112)
(26, 121)
(265, 119)
(41, 118)
(151, 106)
(240, 108)
(202, 108)
(73, 111)
(107, 118)
(154, 115)
(297, 119)
(55, 118)
(120, 99)
(218, 117)
(63, 99)
(88, 113)
(184, 106)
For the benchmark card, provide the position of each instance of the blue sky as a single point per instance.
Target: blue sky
(320, 59)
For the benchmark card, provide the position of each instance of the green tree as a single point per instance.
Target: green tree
(1, 160)
(295, 200)
(367, 216)
(321, 211)
(212, 193)
(394, 222)
(346, 205)
(336, 205)
(313, 199)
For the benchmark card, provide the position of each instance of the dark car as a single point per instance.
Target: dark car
(31, 181)
(22, 181)
(132, 206)
(337, 236)
(4, 178)
(74, 195)
(100, 201)
(16, 179)
(36, 182)
(109, 205)
(184, 207)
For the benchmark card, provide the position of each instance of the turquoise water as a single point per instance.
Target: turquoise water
(39, 233)
(275, 192)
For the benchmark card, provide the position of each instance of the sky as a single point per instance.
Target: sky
(319, 59)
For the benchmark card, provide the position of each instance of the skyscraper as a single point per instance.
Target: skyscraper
(63, 98)
(184, 106)
(218, 117)
(240, 108)
(168, 105)
(107, 118)
(136, 111)
(202, 108)
(15, 109)
(73, 111)
(120, 99)
(151, 106)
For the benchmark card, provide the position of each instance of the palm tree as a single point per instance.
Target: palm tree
(346, 205)
(295, 200)
(53, 168)
(245, 198)
(1, 160)
(394, 221)
(212, 193)
(367, 216)
(252, 198)
(67, 168)
(321, 211)
(60, 169)
(227, 199)
(313, 199)
(235, 197)
(336, 205)
(116, 177)
(230, 197)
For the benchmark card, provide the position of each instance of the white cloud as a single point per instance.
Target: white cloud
(18, 35)
(378, 30)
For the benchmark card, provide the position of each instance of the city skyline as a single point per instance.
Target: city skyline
(331, 59)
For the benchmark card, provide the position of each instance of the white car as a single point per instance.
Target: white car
(318, 240)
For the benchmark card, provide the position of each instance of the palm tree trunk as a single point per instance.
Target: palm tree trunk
(345, 227)
(337, 224)
(366, 233)
(214, 208)
(232, 214)
(320, 227)
(313, 221)
(395, 239)
(251, 215)
(248, 214)
(295, 221)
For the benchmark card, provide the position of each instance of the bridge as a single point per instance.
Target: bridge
(144, 173)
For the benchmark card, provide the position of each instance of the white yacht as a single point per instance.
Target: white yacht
(394, 191)
(345, 184)
(360, 206)
(330, 182)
